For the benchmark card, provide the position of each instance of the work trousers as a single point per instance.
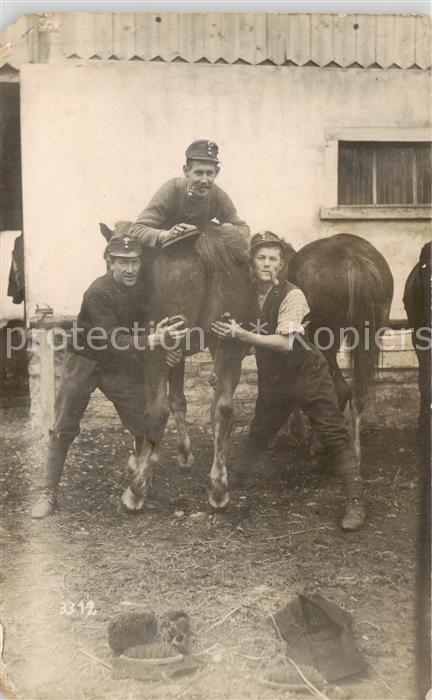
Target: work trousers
(312, 389)
(123, 385)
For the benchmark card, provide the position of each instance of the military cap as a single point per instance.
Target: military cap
(123, 246)
(203, 150)
(266, 238)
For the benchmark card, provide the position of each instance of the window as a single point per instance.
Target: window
(384, 173)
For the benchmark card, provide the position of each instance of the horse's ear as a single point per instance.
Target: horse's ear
(289, 253)
(105, 231)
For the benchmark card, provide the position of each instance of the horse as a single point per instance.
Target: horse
(349, 288)
(417, 303)
(197, 280)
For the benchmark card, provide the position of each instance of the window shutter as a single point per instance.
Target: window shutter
(394, 165)
(423, 167)
(355, 174)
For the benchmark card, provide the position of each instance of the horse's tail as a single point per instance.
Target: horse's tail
(366, 293)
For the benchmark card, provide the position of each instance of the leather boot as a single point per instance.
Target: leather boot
(45, 505)
(355, 515)
(247, 460)
(57, 451)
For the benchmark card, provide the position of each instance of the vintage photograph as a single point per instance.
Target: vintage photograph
(215, 356)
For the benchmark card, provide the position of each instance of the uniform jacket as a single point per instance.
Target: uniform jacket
(113, 307)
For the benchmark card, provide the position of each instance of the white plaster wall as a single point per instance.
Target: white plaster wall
(98, 139)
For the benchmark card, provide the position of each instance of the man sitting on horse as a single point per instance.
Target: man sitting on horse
(291, 371)
(104, 353)
(184, 206)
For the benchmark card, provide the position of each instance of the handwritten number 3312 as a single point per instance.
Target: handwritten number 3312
(84, 609)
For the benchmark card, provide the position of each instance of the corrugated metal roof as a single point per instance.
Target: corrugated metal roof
(354, 40)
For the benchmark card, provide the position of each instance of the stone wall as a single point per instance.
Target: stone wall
(396, 401)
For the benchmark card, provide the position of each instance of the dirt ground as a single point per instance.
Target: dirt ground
(64, 578)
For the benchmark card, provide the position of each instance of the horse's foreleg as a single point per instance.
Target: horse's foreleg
(223, 412)
(142, 467)
(228, 375)
(177, 403)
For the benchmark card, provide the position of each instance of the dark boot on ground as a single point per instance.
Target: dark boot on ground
(247, 460)
(355, 515)
(57, 450)
(45, 504)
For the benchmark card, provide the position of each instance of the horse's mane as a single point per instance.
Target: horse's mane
(223, 251)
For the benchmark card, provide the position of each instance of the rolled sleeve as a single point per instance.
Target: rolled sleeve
(292, 312)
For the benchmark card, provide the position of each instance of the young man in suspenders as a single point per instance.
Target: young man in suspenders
(292, 371)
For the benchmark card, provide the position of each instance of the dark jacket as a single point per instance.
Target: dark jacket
(114, 308)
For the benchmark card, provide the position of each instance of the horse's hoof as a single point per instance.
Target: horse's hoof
(218, 506)
(130, 502)
(185, 461)
(218, 497)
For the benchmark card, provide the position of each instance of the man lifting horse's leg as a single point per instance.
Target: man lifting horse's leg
(292, 371)
(112, 363)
